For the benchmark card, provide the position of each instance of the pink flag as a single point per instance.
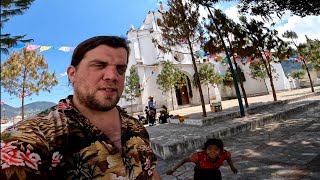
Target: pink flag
(31, 47)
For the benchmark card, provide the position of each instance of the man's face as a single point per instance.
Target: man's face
(99, 78)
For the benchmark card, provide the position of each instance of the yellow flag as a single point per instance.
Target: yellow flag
(44, 48)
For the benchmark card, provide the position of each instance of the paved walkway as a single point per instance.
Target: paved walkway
(287, 149)
(196, 111)
(171, 140)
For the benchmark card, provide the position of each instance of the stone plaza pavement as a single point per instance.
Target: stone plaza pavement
(196, 111)
(283, 149)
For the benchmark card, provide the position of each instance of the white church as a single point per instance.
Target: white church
(147, 58)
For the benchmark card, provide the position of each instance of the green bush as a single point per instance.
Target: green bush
(298, 73)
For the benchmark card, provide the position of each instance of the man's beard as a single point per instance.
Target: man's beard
(90, 101)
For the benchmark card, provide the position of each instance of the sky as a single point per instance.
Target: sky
(67, 23)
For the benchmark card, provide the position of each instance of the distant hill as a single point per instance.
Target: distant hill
(30, 109)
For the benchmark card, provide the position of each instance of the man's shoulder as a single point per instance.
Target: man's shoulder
(135, 127)
(129, 118)
(36, 128)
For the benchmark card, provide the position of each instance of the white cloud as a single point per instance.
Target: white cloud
(62, 75)
(308, 25)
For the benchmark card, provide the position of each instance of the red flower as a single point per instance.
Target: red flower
(64, 105)
(56, 158)
(10, 155)
(147, 164)
(31, 159)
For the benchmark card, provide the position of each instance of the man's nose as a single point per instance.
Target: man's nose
(110, 73)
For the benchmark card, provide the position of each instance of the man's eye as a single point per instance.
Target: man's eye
(121, 69)
(99, 65)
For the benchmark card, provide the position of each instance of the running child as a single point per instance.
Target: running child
(208, 161)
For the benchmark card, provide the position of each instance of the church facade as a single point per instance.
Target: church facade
(147, 59)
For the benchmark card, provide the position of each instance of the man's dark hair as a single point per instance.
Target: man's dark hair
(89, 44)
(214, 141)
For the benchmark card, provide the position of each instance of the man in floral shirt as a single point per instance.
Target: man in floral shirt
(86, 136)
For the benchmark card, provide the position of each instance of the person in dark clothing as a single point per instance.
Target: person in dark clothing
(146, 110)
(152, 116)
(164, 114)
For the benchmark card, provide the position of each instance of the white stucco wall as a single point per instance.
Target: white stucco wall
(280, 81)
(147, 58)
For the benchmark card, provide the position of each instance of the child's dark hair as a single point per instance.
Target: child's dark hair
(214, 141)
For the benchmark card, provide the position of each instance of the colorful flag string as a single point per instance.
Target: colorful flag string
(31, 47)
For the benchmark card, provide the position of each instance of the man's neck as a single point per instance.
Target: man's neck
(99, 118)
(108, 122)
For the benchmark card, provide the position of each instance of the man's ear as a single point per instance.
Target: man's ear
(71, 71)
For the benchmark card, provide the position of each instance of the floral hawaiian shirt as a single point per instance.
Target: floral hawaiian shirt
(62, 143)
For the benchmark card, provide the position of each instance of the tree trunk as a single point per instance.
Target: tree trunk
(305, 65)
(311, 83)
(269, 73)
(244, 94)
(241, 82)
(23, 92)
(172, 100)
(22, 107)
(131, 107)
(271, 83)
(239, 73)
(208, 94)
(204, 113)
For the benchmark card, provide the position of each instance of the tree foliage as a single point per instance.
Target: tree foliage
(236, 39)
(298, 73)
(310, 51)
(132, 87)
(266, 8)
(11, 8)
(25, 73)
(257, 70)
(208, 76)
(304, 51)
(181, 27)
(169, 77)
(266, 47)
(227, 80)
